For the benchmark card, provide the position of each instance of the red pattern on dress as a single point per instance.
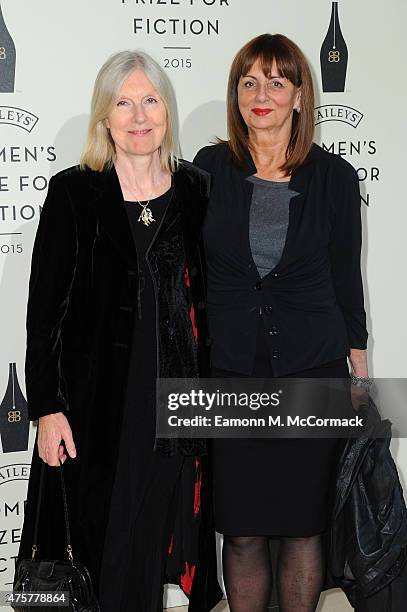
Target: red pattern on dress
(198, 483)
(191, 310)
(171, 546)
(187, 578)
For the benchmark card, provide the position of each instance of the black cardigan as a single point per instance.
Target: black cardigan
(312, 301)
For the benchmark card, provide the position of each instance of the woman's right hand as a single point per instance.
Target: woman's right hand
(52, 430)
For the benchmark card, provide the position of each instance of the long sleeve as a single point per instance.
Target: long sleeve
(52, 273)
(345, 249)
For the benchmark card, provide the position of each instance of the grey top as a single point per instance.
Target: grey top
(268, 223)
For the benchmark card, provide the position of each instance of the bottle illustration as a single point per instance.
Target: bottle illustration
(7, 58)
(334, 55)
(14, 423)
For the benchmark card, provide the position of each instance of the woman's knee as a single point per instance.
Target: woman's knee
(242, 544)
(303, 540)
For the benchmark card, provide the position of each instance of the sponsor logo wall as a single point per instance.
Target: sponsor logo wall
(49, 55)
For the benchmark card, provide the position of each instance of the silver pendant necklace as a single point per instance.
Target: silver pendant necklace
(146, 215)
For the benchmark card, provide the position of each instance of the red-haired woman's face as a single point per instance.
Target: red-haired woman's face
(266, 102)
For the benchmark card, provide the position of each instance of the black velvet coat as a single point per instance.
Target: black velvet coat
(83, 298)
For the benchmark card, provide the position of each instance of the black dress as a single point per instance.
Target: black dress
(274, 487)
(143, 501)
(280, 486)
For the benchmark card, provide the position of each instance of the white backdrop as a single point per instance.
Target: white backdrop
(59, 48)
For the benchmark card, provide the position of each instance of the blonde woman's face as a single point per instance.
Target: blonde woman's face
(138, 119)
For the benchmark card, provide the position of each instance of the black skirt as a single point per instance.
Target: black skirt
(275, 487)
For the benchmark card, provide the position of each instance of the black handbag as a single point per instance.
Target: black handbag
(55, 576)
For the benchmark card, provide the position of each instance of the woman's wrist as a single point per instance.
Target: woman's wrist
(358, 362)
(364, 382)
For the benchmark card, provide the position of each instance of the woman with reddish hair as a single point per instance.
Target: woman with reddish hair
(285, 298)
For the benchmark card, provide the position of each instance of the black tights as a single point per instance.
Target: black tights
(247, 573)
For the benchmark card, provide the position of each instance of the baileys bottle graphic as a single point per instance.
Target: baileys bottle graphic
(334, 55)
(14, 423)
(7, 58)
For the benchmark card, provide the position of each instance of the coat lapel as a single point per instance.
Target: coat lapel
(299, 183)
(190, 199)
(111, 213)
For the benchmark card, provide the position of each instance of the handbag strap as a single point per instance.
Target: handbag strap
(65, 504)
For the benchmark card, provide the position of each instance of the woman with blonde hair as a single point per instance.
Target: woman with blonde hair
(115, 300)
